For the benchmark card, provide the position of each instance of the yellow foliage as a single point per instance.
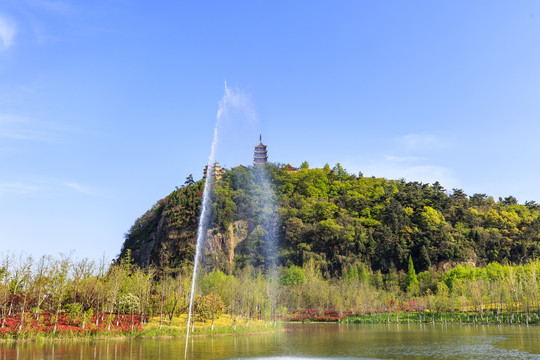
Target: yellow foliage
(431, 217)
(475, 212)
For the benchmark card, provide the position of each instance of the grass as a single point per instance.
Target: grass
(224, 325)
(444, 317)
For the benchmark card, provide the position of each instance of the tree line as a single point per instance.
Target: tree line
(100, 292)
(336, 219)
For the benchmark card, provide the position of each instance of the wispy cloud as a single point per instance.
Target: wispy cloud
(8, 29)
(18, 187)
(408, 168)
(415, 142)
(43, 187)
(405, 159)
(55, 6)
(18, 128)
(79, 188)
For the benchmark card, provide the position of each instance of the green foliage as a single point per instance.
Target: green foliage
(127, 304)
(293, 276)
(363, 276)
(351, 273)
(412, 281)
(336, 219)
(430, 217)
(73, 308)
(208, 307)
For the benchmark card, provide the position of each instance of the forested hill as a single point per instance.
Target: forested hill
(336, 219)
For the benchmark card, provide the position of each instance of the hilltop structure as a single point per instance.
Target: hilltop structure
(261, 154)
(290, 168)
(260, 157)
(215, 171)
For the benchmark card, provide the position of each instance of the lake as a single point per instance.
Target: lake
(312, 341)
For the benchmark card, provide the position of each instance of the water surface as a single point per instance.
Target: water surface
(311, 341)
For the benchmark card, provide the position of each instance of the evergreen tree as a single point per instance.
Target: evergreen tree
(412, 280)
(363, 276)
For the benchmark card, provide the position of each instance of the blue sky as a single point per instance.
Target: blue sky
(107, 105)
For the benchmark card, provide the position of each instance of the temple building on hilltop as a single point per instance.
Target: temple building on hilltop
(290, 168)
(215, 170)
(261, 155)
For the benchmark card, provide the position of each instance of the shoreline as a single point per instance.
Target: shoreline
(138, 336)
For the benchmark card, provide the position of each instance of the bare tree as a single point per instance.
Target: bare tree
(42, 282)
(21, 283)
(4, 287)
(59, 285)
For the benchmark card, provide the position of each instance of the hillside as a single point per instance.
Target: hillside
(337, 219)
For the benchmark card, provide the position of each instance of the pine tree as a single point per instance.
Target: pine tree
(363, 276)
(412, 280)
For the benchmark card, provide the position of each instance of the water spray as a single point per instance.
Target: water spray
(230, 99)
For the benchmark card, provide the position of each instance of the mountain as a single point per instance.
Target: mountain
(336, 219)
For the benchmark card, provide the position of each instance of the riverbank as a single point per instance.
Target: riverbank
(509, 318)
(153, 328)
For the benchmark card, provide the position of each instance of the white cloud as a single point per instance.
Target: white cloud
(423, 142)
(408, 168)
(8, 29)
(78, 187)
(405, 159)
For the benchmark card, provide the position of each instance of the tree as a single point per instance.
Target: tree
(340, 172)
(143, 285)
(293, 276)
(412, 280)
(431, 218)
(179, 300)
(189, 180)
(163, 292)
(425, 258)
(115, 279)
(5, 274)
(459, 195)
(41, 283)
(363, 276)
(208, 307)
(59, 285)
(509, 200)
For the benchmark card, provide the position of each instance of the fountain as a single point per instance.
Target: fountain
(267, 203)
(231, 99)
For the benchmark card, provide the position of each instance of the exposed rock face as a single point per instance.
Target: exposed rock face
(225, 243)
(152, 251)
(166, 235)
(163, 247)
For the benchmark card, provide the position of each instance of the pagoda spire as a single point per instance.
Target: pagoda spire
(260, 155)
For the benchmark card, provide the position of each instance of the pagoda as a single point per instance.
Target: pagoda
(261, 155)
(214, 171)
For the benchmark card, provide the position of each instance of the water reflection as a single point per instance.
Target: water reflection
(311, 341)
